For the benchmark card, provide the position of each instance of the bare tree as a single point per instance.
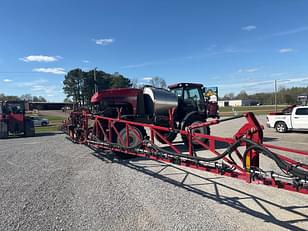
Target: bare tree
(134, 82)
(158, 82)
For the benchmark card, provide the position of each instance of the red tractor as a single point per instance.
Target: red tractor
(13, 120)
(177, 108)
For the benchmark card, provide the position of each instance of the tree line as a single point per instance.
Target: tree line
(284, 96)
(27, 97)
(80, 85)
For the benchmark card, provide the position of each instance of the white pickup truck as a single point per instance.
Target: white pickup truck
(291, 118)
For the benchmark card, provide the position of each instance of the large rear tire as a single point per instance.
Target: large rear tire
(133, 138)
(4, 132)
(29, 128)
(170, 136)
(195, 119)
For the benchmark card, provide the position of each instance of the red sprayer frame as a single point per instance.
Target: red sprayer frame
(247, 146)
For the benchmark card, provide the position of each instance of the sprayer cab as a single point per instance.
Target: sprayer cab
(191, 99)
(13, 119)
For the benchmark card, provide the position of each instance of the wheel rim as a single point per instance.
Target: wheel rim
(280, 127)
(132, 137)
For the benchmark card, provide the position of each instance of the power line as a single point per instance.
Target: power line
(19, 72)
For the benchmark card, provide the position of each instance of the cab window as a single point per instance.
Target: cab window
(301, 111)
(178, 92)
(15, 108)
(192, 93)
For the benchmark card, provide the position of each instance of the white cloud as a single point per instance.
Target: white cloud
(278, 74)
(7, 80)
(227, 50)
(85, 61)
(263, 85)
(211, 47)
(285, 33)
(51, 90)
(41, 86)
(52, 70)
(147, 78)
(32, 83)
(139, 65)
(248, 70)
(104, 42)
(285, 50)
(47, 89)
(40, 58)
(293, 31)
(249, 28)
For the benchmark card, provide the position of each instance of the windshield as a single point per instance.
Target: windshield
(192, 93)
(177, 91)
(15, 108)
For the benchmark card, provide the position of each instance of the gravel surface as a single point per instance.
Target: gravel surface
(48, 183)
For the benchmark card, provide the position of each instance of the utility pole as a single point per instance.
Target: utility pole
(275, 95)
(95, 84)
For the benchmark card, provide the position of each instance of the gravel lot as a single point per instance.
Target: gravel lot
(48, 183)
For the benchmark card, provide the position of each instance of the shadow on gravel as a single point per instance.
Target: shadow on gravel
(260, 211)
(40, 134)
(268, 139)
(300, 132)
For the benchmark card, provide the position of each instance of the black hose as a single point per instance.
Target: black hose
(283, 165)
(231, 118)
(229, 150)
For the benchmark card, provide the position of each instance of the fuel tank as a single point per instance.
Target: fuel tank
(158, 101)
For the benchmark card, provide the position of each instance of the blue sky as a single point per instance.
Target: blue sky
(235, 45)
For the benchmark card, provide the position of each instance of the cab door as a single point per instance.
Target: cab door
(300, 118)
(189, 101)
(16, 117)
(193, 100)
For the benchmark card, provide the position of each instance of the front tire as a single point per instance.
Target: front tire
(281, 127)
(169, 136)
(195, 119)
(4, 132)
(29, 128)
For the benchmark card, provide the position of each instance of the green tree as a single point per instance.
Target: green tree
(4, 97)
(72, 84)
(80, 85)
(229, 96)
(242, 95)
(288, 99)
(27, 97)
(67, 100)
(120, 81)
(42, 99)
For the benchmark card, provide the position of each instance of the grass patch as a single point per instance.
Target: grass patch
(54, 117)
(50, 128)
(258, 110)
